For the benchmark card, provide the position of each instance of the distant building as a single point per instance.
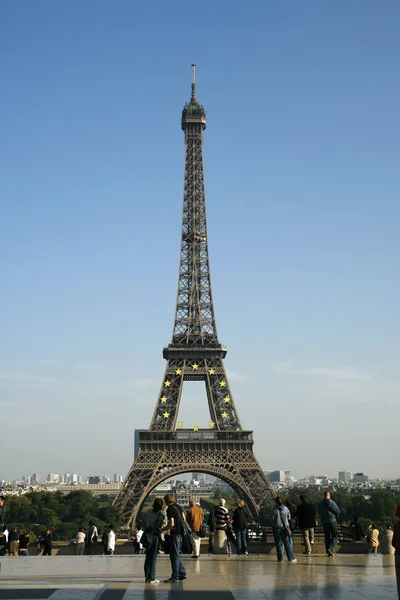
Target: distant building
(94, 479)
(345, 476)
(118, 478)
(53, 478)
(35, 478)
(278, 476)
(360, 478)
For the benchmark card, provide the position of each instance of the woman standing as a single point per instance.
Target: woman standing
(374, 538)
(80, 542)
(240, 527)
(154, 523)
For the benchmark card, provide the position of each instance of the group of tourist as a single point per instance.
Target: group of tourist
(17, 544)
(179, 527)
(185, 530)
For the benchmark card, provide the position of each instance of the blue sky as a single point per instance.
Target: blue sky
(302, 177)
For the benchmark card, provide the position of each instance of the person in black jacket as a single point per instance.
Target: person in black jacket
(212, 521)
(47, 543)
(240, 527)
(306, 522)
(357, 533)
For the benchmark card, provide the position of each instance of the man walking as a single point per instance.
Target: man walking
(306, 522)
(195, 518)
(329, 511)
(175, 530)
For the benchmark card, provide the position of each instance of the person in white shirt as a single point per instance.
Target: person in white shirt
(80, 542)
(138, 538)
(92, 536)
(110, 541)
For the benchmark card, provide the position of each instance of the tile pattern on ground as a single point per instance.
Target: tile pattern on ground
(211, 578)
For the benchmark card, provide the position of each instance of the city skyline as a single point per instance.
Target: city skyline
(302, 200)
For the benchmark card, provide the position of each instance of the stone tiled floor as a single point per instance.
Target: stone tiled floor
(210, 578)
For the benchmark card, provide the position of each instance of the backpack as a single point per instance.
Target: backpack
(151, 534)
(187, 538)
(147, 538)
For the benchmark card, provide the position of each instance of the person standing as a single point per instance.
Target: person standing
(92, 536)
(80, 542)
(195, 519)
(240, 527)
(104, 540)
(374, 538)
(292, 509)
(281, 530)
(212, 521)
(387, 546)
(2, 513)
(306, 522)
(13, 542)
(154, 523)
(23, 544)
(139, 536)
(110, 541)
(357, 533)
(396, 546)
(175, 531)
(329, 512)
(47, 543)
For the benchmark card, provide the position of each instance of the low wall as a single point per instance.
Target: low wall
(125, 547)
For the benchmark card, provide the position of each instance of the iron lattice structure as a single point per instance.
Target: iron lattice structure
(195, 354)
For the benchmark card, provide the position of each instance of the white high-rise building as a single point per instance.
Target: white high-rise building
(345, 476)
(53, 478)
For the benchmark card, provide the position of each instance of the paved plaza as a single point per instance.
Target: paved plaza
(210, 578)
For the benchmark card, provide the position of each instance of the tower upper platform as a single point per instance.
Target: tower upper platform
(193, 111)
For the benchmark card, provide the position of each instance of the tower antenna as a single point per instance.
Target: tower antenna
(193, 98)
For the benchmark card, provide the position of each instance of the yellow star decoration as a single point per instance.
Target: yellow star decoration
(195, 428)
(211, 424)
(195, 366)
(212, 371)
(227, 399)
(168, 383)
(179, 423)
(178, 372)
(224, 415)
(164, 399)
(166, 415)
(222, 383)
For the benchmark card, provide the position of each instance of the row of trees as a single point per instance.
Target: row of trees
(64, 514)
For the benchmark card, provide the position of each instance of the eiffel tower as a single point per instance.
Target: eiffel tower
(166, 449)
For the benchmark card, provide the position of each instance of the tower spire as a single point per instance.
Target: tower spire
(193, 98)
